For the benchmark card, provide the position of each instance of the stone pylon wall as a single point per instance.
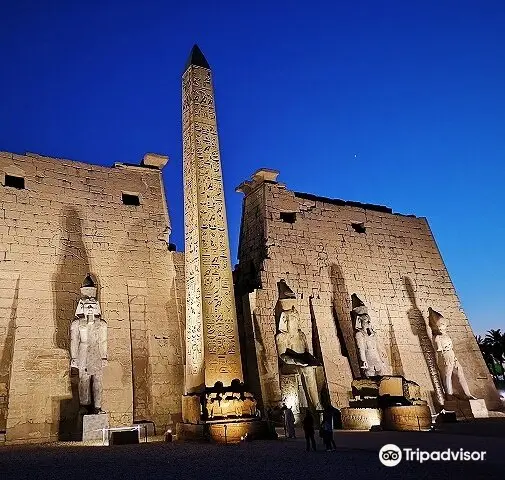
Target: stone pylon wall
(394, 266)
(70, 220)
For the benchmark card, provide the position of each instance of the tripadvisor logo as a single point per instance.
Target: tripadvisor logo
(391, 455)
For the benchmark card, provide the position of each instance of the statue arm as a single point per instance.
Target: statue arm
(74, 343)
(361, 350)
(438, 343)
(292, 360)
(103, 339)
(304, 340)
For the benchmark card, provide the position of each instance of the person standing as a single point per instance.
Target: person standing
(308, 428)
(289, 422)
(327, 431)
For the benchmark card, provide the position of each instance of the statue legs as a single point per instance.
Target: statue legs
(447, 379)
(97, 391)
(309, 379)
(462, 380)
(375, 364)
(84, 388)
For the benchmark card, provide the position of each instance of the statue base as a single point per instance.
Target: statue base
(222, 415)
(225, 431)
(407, 418)
(93, 426)
(467, 409)
(389, 401)
(360, 418)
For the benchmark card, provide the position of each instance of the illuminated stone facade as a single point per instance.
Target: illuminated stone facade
(171, 317)
(70, 219)
(327, 250)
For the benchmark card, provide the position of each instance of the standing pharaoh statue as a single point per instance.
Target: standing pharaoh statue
(293, 350)
(371, 363)
(446, 358)
(88, 347)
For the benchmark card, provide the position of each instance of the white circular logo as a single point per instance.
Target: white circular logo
(390, 455)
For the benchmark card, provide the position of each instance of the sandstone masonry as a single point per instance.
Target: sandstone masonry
(69, 219)
(326, 250)
(61, 219)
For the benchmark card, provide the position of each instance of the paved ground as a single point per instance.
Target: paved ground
(356, 457)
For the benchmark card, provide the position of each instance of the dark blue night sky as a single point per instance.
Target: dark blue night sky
(400, 103)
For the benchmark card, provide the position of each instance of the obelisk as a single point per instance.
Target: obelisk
(212, 343)
(216, 404)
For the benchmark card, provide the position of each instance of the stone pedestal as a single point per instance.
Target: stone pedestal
(221, 415)
(360, 418)
(407, 418)
(93, 425)
(191, 408)
(467, 409)
(390, 401)
(230, 431)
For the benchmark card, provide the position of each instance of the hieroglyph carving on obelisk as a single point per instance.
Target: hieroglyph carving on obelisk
(212, 344)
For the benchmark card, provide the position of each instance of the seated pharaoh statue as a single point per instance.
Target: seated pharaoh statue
(292, 342)
(292, 346)
(371, 363)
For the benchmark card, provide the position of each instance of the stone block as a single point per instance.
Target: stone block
(154, 160)
(93, 426)
(290, 391)
(407, 418)
(411, 390)
(360, 418)
(365, 387)
(465, 409)
(265, 175)
(191, 432)
(191, 409)
(397, 386)
(392, 386)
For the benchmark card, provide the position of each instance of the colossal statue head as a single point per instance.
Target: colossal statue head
(287, 298)
(362, 320)
(88, 288)
(437, 321)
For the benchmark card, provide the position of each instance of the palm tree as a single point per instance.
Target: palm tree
(487, 352)
(496, 340)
